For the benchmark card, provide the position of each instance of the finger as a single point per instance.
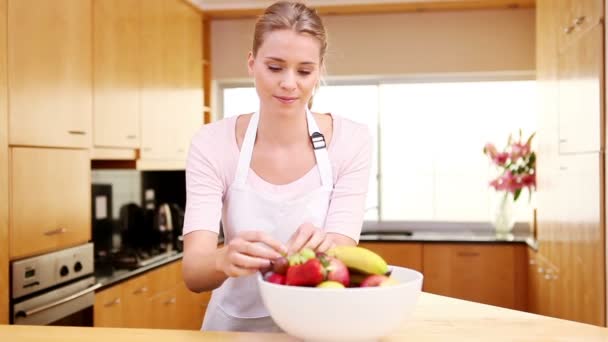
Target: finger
(246, 261)
(235, 271)
(259, 250)
(326, 245)
(258, 236)
(303, 234)
(315, 240)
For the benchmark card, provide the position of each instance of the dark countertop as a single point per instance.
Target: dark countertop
(475, 234)
(119, 275)
(450, 236)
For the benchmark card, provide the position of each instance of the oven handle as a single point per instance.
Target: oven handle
(61, 301)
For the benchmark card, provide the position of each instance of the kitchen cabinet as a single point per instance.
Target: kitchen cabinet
(402, 254)
(116, 34)
(50, 199)
(4, 261)
(172, 97)
(576, 17)
(157, 299)
(484, 273)
(580, 93)
(50, 73)
(109, 307)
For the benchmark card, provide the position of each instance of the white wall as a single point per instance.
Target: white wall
(400, 44)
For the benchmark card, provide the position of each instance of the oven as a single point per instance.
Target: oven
(57, 288)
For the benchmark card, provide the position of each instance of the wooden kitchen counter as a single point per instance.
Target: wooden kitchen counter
(436, 318)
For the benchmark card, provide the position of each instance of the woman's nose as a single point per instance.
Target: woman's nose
(288, 82)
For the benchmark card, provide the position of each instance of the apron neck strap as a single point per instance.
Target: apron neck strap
(318, 143)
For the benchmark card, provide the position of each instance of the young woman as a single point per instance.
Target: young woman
(279, 179)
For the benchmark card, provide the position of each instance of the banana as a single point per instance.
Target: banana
(360, 259)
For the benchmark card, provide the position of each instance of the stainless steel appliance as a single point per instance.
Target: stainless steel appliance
(57, 288)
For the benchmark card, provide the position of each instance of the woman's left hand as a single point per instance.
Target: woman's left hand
(309, 236)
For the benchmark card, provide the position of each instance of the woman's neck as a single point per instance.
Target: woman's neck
(285, 129)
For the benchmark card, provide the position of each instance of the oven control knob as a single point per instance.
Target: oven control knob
(77, 266)
(63, 271)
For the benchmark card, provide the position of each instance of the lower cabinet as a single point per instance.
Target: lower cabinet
(494, 274)
(158, 299)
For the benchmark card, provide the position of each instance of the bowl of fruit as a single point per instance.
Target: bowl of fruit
(347, 294)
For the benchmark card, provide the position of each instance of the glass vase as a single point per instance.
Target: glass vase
(504, 212)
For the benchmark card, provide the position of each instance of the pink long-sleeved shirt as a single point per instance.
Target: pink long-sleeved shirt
(213, 159)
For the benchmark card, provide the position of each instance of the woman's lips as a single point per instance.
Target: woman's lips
(285, 99)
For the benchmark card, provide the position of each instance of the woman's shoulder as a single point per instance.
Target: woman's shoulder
(348, 133)
(217, 131)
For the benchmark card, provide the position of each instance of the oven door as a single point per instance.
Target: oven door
(71, 304)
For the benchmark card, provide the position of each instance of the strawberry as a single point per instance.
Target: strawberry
(310, 273)
(276, 278)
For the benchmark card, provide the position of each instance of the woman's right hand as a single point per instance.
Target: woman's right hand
(245, 255)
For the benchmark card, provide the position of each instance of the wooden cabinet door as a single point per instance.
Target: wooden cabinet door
(489, 274)
(171, 99)
(580, 248)
(116, 71)
(50, 200)
(108, 309)
(576, 17)
(192, 307)
(404, 254)
(49, 73)
(136, 311)
(580, 93)
(164, 310)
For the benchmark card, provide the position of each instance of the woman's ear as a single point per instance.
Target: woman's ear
(250, 62)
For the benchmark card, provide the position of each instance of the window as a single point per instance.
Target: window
(429, 136)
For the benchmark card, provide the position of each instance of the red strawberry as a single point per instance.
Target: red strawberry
(310, 273)
(276, 278)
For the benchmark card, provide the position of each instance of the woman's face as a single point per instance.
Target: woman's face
(286, 71)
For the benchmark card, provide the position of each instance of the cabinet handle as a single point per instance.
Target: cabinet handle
(131, 136)
(55, 231)
(563, 140)
(180, 150)
(147, 149)
(468, 254)
(77, 132)
(578, 21)
(563, 168)
(141, 290)
(569, 29)
(532, 262)
(170, 301)
(540, 270)
(548, 277)
(112, 303)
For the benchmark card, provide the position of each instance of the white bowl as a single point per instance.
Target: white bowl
(351, 314)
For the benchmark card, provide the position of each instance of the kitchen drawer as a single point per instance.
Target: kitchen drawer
(402, 254)
(50, 200)
(108, 309)
(484, 273)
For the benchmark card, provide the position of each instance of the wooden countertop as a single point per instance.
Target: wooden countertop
(436, 318)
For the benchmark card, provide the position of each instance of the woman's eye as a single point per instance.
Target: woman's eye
(304, 72)
(274, 68)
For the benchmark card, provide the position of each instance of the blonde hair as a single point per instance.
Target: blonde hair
(295, 16)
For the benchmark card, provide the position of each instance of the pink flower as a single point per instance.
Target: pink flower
(519, 150)
(490, 150)
(529, 180)
(501, 158)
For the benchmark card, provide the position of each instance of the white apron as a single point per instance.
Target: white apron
(237, 304)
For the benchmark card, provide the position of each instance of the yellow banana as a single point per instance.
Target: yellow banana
(360, 259)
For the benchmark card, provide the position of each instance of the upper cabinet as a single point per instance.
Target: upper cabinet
(581, 77)
(49, 72)
(172, 79)
(576, 17)
(50, 199)
(116, 69)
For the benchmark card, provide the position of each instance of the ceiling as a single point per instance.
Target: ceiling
(219, 9)
(213, 5)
